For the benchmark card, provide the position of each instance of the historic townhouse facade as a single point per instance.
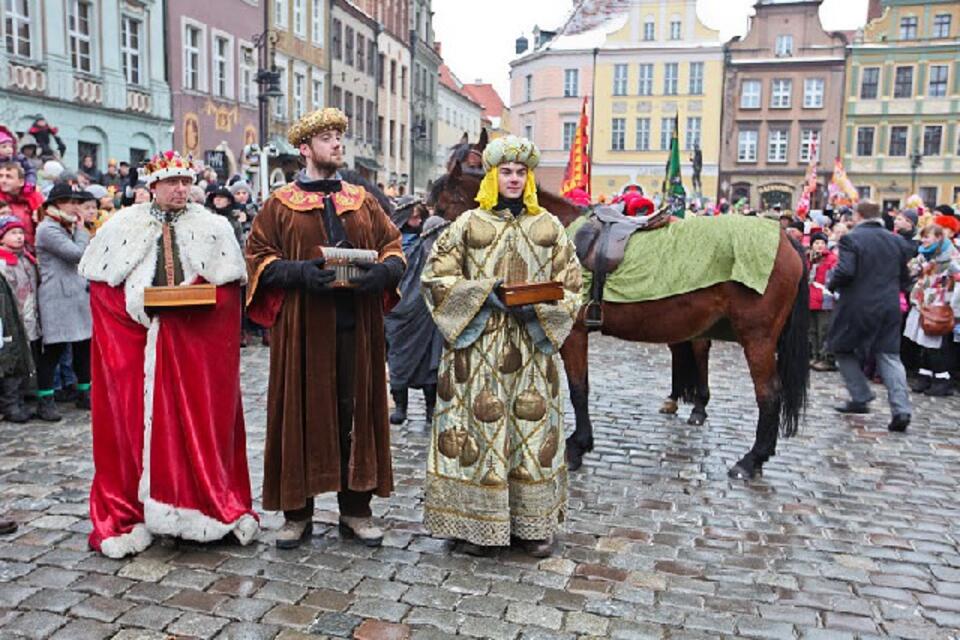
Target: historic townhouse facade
(458, 114)
(213, 68)
(423, 105)
(353, 84)
(783, 92)
(903, 102)
(93, 68)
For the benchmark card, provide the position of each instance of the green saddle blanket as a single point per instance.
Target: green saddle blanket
(691, 254)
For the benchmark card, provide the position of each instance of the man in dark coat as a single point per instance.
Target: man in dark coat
(869, 276)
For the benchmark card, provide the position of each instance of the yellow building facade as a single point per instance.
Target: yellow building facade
(658, 64)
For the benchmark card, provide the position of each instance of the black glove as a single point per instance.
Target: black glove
(374, 280)
(298, 274)
(524, 313)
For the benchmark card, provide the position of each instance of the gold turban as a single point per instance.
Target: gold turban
(509, 149)
(317, 122)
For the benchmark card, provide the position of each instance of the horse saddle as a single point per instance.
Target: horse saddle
(600, 244)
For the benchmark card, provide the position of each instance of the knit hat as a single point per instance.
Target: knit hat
(5, 136)
(911, 215)
(97, 191)
(240, 185)
(9, 223)
(944, 209)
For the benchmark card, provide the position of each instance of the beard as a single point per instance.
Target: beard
(326, 167)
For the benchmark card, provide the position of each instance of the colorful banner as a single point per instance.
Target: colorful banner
(673, 192)
(577, 174)
(841, 190)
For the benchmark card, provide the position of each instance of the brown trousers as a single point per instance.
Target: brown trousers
(354, 504)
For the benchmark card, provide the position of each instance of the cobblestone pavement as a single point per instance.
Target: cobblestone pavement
(852, 532)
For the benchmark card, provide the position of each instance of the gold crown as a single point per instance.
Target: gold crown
(168, 164)
(317, 122)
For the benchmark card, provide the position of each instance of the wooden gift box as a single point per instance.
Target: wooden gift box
(514, 295)
(195, 295)
(344, 264)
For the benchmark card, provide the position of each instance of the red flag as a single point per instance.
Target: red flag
(577, 174)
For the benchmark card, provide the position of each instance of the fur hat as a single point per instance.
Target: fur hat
(511, 149)
(317, 122)
(948, 222)
(169, 164)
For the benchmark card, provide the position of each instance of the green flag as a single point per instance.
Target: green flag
(674, 195)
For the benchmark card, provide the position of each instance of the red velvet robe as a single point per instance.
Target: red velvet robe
(169, 445)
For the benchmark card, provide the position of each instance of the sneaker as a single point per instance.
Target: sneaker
(362, 529)
(293, 533)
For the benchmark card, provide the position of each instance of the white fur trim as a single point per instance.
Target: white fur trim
(191, 524)
(149, 378)
(168, 172)
(126, 544)
(125, 251)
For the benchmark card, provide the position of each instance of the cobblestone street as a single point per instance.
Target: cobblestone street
(851, 533)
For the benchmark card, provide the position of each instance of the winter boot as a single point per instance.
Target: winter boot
(11, 402)
(941, 388)
(923, 383)
(83, 398)
(66, 394)
(430, 399)
(399, 415)
(47, 409)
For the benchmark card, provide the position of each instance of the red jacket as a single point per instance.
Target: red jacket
(23, 205)
(819, 271)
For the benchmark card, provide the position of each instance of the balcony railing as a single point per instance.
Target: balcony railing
(87, 91)
(26, 78)
(138, 101)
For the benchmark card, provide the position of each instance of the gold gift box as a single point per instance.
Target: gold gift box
(195, 295)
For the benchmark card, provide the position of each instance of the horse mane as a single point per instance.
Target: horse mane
(438, 187)
(354, 177)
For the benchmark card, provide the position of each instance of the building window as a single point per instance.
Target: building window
(675, 30)
(778, 144)
(130, 30)
(692, 137)
(316, 22)
(348, 43)
(649, 31)
(358, 129)
(932, 137)
(336, 97)
(403, 141)
(643, 134)
(280, 103)
(348, 107)
(316, 94)
(403, 81)
(870, 83)
(280, 14)
(336, 39)
(569, 132)
(780, 96)
(784, 46)
(696, 78)
(80, 30)
(941, 25)
(17, 27)
(671, 71)
(865, 141)
(903, 83)
(645, 86)
(527, 88)
(372, 58)
(747, 146)
(929, 197)
(392, 138)
(371, 114)
(666, 133)
(571, 83)
(908, 28)
(620, 80)
(299, 91)
(299, 19)
(248, 75)
(618, 134)
(813, 93)
(809, 145)
(938, 81)
(222, 67)
(393, 77)
(898, 141)
(192, 57)
(361, 52)
(863, 192)
(750, 91)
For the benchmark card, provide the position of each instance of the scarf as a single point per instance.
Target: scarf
(515, 205)
(934, 249)
(64, 218)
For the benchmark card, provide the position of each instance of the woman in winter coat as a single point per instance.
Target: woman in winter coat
(936, 265)
(63, 296)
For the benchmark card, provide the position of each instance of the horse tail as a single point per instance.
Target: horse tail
(684, 372)
(793, 357)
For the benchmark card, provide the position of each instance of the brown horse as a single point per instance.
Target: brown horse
(771, 328)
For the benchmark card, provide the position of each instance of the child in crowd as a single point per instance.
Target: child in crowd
(821, 262)
(18, 313)
(9, 153)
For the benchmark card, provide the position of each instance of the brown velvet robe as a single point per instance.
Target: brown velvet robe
(302, 457)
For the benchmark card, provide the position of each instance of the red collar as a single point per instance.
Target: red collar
(11, 258)
(349, 198)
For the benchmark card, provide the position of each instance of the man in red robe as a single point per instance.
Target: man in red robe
(169, 447)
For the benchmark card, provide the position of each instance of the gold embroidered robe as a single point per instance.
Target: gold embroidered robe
(496, 464)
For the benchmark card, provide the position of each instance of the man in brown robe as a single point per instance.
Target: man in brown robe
(327, 421)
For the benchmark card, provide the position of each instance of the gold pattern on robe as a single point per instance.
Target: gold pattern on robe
(530, 405)
(553, 378)
(487, 407)
(445, 387)
(480, 234)
(461, 365)
(543, 232)
(470, 451)
(511, 359)
(451, 441)
(548, 448)
(520, 473)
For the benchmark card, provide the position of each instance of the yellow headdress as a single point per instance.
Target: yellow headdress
(509, 149)
(317, 122)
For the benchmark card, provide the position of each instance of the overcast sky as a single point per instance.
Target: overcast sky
(477, 36)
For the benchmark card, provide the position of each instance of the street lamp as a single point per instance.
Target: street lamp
(267, 78)
(916, 160)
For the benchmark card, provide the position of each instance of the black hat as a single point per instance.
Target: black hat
(219, 190)
(818, 235)
(63, 191)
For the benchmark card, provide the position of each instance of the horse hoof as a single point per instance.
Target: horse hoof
(669, 407)
(697, 419)
(739, 473)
